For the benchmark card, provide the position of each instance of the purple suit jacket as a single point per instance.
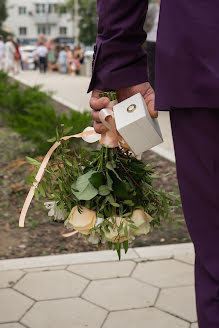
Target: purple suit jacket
(187, 53)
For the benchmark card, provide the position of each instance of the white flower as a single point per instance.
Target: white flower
(54, 210)
(98, 221)
(94, 238)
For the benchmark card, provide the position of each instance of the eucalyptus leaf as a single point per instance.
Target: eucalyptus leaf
(109, 166)
(83, 189)
(104, 190)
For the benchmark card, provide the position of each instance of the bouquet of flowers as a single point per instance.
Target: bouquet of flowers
(105, 194)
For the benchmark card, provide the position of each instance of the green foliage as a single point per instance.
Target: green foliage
(3, 11)
(87, 19)
(88, 22)
(30, 113)
(110, 182)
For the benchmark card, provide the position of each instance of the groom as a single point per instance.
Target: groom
(187, 85)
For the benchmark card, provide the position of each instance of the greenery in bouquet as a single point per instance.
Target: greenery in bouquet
(105, 194)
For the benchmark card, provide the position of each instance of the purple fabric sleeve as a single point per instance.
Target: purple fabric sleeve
(119, 60)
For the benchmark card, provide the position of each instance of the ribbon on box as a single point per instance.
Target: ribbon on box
(110, 139)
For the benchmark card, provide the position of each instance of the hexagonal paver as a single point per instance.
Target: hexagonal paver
(194, 325)
(187, 258)
(120, 293)
(179, 301)
(51, 284)
(150, 317)
(13, 305)
(66, 313)
(103, 270)
(9, 278)
(166, 273)
(11, 325)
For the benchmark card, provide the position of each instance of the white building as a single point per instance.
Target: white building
(27, 19)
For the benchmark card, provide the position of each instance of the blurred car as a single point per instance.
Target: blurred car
(27, 55)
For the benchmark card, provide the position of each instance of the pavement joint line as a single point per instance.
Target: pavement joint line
(78, 274)
(135, 266)
(107, 315)
(93, 303)
(146, 283)
(23, 294)
(184, 262)
(27, 310)
(158, 295)
(175, 315)
(92, 257)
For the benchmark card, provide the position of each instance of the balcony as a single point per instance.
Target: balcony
(46, 18)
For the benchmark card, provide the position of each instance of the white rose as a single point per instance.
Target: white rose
(81, 222)
(142, 222)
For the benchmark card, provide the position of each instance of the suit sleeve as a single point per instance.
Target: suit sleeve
(119, 60)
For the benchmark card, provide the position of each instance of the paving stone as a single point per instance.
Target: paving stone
(66, 313)
(103, 270)
(164, 251)
(51, 284)
(11, 325)
(165, 273)
(9, 278)
(139, 318)
(187, 258)
(46, 268)
(178, 301)
(120, 293)
(194, 325)
(13, 305)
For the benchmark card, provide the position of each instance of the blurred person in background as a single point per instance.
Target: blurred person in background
(69, 59)
(10, 51)
(63, 60)
(79, 53)
(51, 55)
(17, 58)
(42, 53)
(24, 60)
(41, 39)
(2, 51)
(150, 27)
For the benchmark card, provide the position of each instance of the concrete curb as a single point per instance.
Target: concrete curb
(137, 254)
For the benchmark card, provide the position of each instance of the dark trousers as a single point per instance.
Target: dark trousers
(151, 52)
(196, 142)
(43, 64)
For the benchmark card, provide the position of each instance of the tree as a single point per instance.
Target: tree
(87, 22)
(87, 18)
(3, 12)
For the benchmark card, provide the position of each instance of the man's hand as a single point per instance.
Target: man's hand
(97, 103)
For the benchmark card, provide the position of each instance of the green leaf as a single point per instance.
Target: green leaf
(126, 245)
(126, 231)
(32, 161)
(68, 163)
(109, 166)
(36, 194)
(120, 227)
(128, 202)
(51, 140)
(109, 181)
(41, 190)
(133, 226)
(104, 190)
(83, 189)
(97, 179)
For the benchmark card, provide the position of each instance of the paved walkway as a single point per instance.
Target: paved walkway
(72, 92)
(150, 287)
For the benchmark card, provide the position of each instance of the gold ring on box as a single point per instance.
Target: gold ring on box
(131, 108)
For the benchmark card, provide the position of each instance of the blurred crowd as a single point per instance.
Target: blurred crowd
(45, 56)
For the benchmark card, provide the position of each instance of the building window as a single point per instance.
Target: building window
(22, 10)
(42, 8)
(44, 29)
(63, 30)
(22, 30)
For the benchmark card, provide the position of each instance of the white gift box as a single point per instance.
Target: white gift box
(135, 125)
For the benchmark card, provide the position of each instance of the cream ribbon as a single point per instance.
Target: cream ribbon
(90, 136)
